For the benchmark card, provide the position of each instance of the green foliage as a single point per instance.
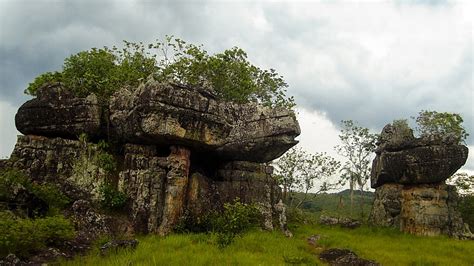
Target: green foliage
(466, 208)
(111, 198)
(298, 170)
(384, 245)
(463, 182)
(235, 219)
(432, 123)
(402, 125)
(253, 248)
(107, 162)
(41, 80)
(358, 146)
(230, 74)
(22, 236)
(11, 180)
(330, 204)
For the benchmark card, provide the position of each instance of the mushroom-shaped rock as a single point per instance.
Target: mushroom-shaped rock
(403, 159)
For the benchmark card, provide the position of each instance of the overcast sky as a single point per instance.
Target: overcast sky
(371, 62)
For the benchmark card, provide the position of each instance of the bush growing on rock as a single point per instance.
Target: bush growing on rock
(229, 73)
(22, 236)
(11, 181)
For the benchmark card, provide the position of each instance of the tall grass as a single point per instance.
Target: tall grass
(386, 246)
(254, 248)
(391, 247)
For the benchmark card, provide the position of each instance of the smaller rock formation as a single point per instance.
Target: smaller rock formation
(409, 176)
(115, 245)
(343, 221)
(336, 256)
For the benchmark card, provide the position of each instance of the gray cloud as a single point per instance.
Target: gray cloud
(368, 62)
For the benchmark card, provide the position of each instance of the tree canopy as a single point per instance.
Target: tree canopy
(433, 123)
(232, 76)
(298, 170)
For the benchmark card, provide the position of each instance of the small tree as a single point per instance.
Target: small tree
(298, 170)
(432, 123)
(358, 145)
(463, 182)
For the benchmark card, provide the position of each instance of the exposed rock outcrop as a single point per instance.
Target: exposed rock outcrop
(164, 114)
(177, 150)
(408, 174)
(336, 257)
(56, 112)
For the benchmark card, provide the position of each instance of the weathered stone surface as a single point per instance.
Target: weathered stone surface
(408, 174)
(143, 181)
(176, 188)
(387, 205)
(420, 165)
(115, 245)
(55, 112)
(159, 113)
(424, 209)
(403, 159)
(430, 210)
(164, 114)
(343, 221)
(11, 260)
(336, 256)
(70, 164)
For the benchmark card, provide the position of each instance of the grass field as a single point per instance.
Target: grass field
(386, 246)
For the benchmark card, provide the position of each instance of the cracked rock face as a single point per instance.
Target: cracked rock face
(178, 151)
(409, 176)
(164, 114)
(56, 112)
(403, 159)
(157, 113)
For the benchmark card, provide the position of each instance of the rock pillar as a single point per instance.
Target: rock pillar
(176, 188)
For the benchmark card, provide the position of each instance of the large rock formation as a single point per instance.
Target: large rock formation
(179, 150)
(409, 176)
(164, 114)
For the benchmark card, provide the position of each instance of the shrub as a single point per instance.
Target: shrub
(466, 208)
(235, 219)
(10, 180)
(229, 73)
(22, 236)
(111, 198)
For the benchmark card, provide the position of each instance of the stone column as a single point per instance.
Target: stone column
(176, 186)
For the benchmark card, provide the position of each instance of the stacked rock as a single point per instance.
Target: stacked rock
(408, 175)
(177, 149)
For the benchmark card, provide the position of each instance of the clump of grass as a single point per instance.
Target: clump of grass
(253, 248)
(384, 245)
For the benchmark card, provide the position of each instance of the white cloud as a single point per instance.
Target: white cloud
(367, 61)
(9, 132)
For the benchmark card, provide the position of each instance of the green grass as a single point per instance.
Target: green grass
(254, 248)
(390, 247)
(386, 246)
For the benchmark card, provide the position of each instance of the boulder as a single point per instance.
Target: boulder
(56, 112)
(157, 113)
(336, 256)
(403, 159)
(115, 245)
